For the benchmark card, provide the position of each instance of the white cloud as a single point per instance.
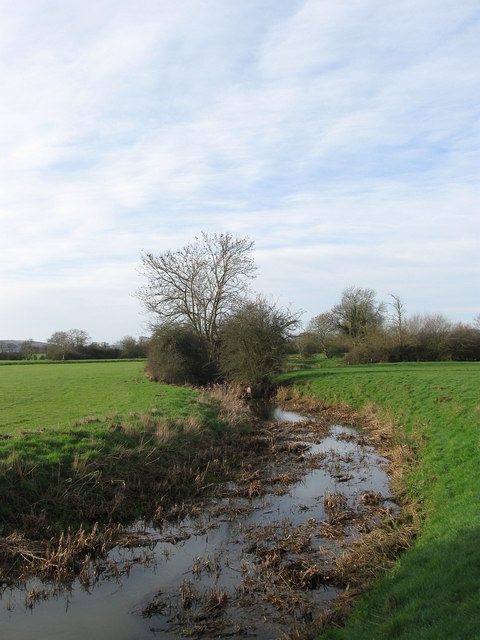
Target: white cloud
(342, 137)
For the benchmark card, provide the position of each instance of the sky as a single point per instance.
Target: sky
(341, 136)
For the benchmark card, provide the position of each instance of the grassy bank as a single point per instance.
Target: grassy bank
(433, 590)
(88, 442)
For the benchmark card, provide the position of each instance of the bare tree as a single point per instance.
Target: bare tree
(428, 334)
(131, 348)
(358, 312)
(27, 349)
(62, 342)
(323, 327)
(398, 316)
(78, 338)
(200, 284)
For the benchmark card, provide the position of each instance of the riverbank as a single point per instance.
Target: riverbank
(167, 444)
(432, 591)
(73, 488)
(69, 488)
(256, 555)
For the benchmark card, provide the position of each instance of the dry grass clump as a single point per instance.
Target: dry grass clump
(359, 566)
(372, 498)
(196, 612)
(377, 550)
(164, 430)
(285, 479)
(216, 601)
(188, 595)
(61, 559)
(156, 606)
(334, 502)
(288, 395)
(233, 408)
(282, 537)
(305, 575)
(158, 428)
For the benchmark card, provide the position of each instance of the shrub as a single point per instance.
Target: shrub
(178, 355)
(253, 342)
(307, 344)
(463, 343)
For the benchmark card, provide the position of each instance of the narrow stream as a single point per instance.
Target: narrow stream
(248, 563)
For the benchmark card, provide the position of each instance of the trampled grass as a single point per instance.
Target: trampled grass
(434, 590)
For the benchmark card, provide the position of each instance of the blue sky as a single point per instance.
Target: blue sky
(341, 136)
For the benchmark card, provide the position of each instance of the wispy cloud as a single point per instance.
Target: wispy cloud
(342, 137)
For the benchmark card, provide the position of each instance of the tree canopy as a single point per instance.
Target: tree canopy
(63, 343)
(200, 284)
(358, 312)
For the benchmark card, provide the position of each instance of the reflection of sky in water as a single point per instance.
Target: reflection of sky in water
(286, 416)
(112, 611)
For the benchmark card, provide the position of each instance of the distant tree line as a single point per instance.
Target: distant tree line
(208, 327)
(23, 350)
(74, 344)
(361, 330)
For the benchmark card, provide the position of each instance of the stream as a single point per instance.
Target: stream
(250, 562)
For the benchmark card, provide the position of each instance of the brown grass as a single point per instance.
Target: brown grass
(233, 408)
(61, 559)
(376, 551)
(148, 475)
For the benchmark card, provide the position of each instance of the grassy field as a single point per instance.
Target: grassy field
(434, 590)
(39, 395)
(81, 442)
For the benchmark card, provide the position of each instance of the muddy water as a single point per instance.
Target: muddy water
(250, 562)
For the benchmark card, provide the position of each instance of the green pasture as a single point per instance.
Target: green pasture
(434, 590)
(59, 422)
(51, 396)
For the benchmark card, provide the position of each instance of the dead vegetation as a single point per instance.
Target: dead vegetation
(285, 566)
(287, 569)
(78, 554)
(233, 408)
(376, 551)
(106, 492)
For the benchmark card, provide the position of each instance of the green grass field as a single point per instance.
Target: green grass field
(54, 395)
(79, 427)
(434, 590)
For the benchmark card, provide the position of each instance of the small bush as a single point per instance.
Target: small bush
(177, 355)
(308, 344)
(254, 341)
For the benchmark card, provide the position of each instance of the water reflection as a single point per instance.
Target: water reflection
(267, 411)
(221, 568)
